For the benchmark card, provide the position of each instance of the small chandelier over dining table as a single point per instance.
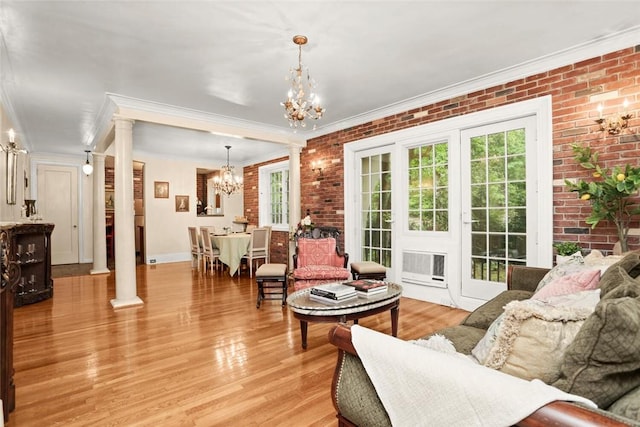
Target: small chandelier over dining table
(301, 103)
(226, 182)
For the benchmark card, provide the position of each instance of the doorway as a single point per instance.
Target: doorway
(57, 201)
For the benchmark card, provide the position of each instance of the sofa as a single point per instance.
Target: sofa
(600, 362)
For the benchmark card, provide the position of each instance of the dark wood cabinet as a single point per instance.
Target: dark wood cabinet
(30, 249)
(25, 278)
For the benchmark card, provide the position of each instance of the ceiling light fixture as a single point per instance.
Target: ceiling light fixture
(615, 124)
(302, 103)
(226, 182)
(87, 168)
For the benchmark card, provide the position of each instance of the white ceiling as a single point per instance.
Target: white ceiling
(59, 59)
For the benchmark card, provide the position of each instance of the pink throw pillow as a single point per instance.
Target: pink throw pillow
(569, 284)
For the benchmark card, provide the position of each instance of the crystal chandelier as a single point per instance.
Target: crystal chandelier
(226, 182)
(301, 102)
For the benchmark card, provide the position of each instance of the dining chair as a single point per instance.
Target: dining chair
(196, 246)
(268, 227)
(258, 247)
(209, 253)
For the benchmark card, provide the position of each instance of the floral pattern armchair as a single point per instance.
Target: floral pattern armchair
(318, 261)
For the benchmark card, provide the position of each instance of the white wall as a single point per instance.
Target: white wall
(166, 237)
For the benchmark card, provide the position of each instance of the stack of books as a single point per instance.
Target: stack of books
(367, 288)
(332, 293)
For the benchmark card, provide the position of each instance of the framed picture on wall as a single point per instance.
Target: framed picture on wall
(182, 203)
(109, 202)
(161, 189)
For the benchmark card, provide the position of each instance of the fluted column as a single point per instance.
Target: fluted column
(125, 245)
(99, 222)
(294, 194)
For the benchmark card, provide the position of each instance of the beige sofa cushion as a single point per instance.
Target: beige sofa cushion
(532, 338)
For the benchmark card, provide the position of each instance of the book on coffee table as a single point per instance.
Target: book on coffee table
(365, 285)
(330, 301)
(334, 291)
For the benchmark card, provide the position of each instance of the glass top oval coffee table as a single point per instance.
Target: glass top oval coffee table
(307, 310)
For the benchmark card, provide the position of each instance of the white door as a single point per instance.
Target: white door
(498, 203)
(58, 203)
(374, 205)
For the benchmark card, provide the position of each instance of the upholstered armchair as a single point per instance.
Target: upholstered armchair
(318, 261)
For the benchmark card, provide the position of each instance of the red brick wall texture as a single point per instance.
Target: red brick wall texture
(575, 89)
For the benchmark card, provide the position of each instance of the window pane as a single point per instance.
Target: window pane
(414, 157)
(478, 171)
(429, 172)
(515, 142)
(495, 146)
(497, 220)
(478, 149)
(517, 220)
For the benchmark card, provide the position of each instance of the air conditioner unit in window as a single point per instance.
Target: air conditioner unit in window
(424, 268)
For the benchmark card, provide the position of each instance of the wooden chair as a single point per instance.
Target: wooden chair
(210, 254)
(196, 246)
(258, 247)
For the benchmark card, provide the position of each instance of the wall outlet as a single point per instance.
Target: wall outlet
(152, 261)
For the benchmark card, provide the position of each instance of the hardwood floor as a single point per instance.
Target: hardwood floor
(197, 353)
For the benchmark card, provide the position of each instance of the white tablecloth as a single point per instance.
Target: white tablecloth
(232, 248)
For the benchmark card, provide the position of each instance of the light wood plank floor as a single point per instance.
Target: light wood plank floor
(197, 353)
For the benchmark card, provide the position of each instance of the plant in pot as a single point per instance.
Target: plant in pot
(612, 192)
(564, 250)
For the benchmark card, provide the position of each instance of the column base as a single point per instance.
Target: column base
(116, 303)
(100, 271)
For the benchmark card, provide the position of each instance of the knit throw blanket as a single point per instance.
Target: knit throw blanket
(423, 387)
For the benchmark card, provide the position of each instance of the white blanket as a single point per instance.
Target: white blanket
(422, 387)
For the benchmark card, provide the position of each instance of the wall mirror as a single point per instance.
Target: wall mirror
(208, 203)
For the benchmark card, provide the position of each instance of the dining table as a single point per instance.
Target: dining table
(232, 248)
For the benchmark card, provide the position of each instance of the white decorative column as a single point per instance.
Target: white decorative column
(125, 244)
(99, 222)
(294, 195)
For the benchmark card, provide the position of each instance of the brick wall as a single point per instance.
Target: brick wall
(575, 89)
(138, 181)
(279, 239)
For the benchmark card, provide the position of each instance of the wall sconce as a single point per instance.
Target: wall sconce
(87, 168)
(12, 165)
(615, 124)
(316, 166)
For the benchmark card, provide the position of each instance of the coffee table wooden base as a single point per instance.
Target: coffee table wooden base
(393, 306)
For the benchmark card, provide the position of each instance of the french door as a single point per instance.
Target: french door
(374, 205)
(498, 173)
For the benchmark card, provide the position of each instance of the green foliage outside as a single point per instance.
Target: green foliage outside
(612, 192)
